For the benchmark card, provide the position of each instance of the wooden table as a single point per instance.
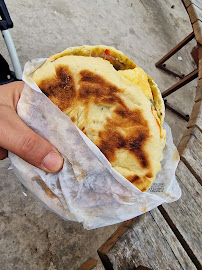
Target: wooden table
(170, 236)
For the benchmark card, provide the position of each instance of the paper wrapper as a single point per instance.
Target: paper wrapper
(87, 189)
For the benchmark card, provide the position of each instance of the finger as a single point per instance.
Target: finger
(10, 94)
(19, 139)
(3, 153)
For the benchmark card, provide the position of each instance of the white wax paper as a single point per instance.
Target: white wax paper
(87, 189)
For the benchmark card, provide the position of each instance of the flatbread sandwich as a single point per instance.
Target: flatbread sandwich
(114, 102)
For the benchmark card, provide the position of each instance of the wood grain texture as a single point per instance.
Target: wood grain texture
(192, 154)
(187, 179)
(195, 13)
(187, 3)
(173, 242)
(200, 64)
(184, 141)
(186, 214)
(197, 27)
(103, 250)
(198, 96)
(196, 116)
(89, 264)
(151, 243)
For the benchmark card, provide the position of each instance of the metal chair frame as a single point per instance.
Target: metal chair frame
(183, 79)
(5, 24)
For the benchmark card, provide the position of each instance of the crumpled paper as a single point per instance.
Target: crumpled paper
(87, 189)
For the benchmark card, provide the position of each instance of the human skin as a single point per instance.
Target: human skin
(18, 138)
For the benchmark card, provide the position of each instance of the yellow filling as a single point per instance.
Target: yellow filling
(138, 77)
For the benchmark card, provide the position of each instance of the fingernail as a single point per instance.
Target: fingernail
(52, 162)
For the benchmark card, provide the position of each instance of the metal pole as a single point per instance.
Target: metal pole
(13, 54)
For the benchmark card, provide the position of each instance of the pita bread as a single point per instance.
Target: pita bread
(114, 102)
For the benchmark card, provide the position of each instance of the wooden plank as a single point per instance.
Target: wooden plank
(151, 243)
(89, 264)
(195, 13)
(187, 3)
(188, 181)
(195, 55)
(103, 250)
(196, 116)
(198, 121)
(184, 141)
(200, 61)
(192, 155)
(198, 96)
(197, 26)
(173, 242)
(195, 110)
(185, 215)
(200, 68)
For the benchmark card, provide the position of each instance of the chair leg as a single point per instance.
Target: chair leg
(160, 64)
(178, 113)
(191, 76)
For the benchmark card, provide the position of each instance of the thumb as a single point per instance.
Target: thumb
(19, 139)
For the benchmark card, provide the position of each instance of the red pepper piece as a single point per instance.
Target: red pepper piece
(107, 52)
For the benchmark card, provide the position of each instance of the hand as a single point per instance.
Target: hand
(18, 138)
